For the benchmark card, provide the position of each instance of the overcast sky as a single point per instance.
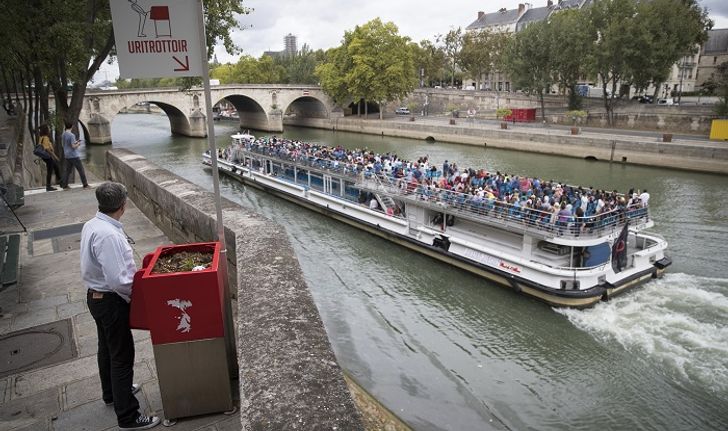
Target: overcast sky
(321, 23)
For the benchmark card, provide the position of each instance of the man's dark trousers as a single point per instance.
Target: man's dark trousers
(71, 163)
(116, 353)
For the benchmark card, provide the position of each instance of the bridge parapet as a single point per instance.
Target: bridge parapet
(259, 106)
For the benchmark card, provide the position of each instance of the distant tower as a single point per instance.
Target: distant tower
(290, 44)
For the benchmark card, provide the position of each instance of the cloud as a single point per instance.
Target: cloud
(718, 8)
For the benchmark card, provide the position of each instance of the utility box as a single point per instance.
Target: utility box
(719, 130)
(185, 313)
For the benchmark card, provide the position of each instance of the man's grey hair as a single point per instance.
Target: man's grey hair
(111, 196)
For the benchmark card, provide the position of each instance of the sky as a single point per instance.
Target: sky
(321, 23)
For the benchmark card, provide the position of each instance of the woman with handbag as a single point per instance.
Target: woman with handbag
(52, 160)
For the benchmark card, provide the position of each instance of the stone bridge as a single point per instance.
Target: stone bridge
(260, 107)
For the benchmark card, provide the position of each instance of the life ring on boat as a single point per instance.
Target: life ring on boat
(619, 247)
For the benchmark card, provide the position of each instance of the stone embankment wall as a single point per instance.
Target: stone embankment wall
(289, 377)
(689, 155)
(689, 119)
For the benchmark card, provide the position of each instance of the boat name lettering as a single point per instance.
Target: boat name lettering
(481, 257)
(512, 268)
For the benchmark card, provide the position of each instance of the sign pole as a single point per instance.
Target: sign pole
(210, 126)
(229, 332)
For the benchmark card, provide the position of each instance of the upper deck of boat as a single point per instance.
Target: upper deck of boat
(493, 212)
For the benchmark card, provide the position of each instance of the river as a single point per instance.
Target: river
(446, 350)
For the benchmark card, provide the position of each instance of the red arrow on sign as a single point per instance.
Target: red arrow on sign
(184, 67)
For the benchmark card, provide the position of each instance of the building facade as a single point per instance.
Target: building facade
(713, 53)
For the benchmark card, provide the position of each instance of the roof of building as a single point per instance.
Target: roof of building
(535, 14)
(717, 41)
(502, 17)
(568, 4)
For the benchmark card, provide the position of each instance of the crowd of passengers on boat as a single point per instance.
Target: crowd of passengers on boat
(530, 199)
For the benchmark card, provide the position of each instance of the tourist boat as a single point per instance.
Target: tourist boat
(571, 265)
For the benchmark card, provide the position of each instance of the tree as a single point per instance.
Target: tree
(721, 86)
(476, 56)
(570, 49)
(528, 60)
(299, 68)
(688, 26)
(631, 44)
(332, 73)
(33, 29)
(374, 63)
(453, 42)
(618, 38)
(431, 59)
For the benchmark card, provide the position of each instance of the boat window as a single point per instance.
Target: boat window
(317, 182)
(557, 249)
(596, 255)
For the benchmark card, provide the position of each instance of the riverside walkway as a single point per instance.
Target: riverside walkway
(58, 388)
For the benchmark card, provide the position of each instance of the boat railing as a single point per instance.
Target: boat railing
(495, 212)
(491, 211)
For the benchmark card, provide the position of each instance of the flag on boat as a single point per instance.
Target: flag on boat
(619, 250)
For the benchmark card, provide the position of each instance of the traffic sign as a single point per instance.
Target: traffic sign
(157, 38)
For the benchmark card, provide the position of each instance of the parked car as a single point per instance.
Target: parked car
(645, 98)
(666, 102)
(402, 111)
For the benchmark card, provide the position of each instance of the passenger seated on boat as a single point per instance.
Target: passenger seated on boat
(373, 204)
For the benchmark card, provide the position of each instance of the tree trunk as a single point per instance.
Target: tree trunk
(381, 111)
(574, 99)
(366, 109)
(543, 106)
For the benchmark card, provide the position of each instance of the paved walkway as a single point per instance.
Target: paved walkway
(67, 395)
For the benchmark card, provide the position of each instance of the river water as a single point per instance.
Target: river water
(446, 350)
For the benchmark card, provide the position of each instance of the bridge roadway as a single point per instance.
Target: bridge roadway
(260, 107)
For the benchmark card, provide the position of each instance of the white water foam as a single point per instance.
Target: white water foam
(679, 323)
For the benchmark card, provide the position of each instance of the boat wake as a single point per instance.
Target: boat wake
(679, 323)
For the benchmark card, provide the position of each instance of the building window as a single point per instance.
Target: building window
(715, 60)
(690, 74)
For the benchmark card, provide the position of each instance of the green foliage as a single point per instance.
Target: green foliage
(503, 112)
(576, 116)
(482, 52)
(373, 63)
(528, 60)
(56, 46)
(571, 43)
(453, 42)
(431, 59)
(721, 81)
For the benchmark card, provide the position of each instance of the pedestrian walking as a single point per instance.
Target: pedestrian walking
(107, 270)
(52, 161)
(73, 158)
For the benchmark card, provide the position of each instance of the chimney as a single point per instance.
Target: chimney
(549, 3)
(521, 8)
(480, 14)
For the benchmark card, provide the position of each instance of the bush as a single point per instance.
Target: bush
(576, 116)
(503, 112)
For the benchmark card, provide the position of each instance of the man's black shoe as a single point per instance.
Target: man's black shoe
(142, 423)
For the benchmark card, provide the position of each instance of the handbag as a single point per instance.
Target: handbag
(41, 152)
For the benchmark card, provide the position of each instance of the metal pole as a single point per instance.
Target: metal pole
(229, 331)
(210, 128)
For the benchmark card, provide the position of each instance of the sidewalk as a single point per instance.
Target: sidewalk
(49, 377)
